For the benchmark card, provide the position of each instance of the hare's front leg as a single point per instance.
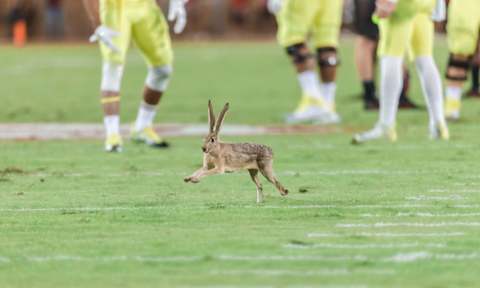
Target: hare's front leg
(254, 176)
(266, 168)
(194, 177)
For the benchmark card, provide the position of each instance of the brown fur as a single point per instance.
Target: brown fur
(220, 157)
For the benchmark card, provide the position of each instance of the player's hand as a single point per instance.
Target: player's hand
(105, 35)
(178, 13)
(384, 8)
(274, 6)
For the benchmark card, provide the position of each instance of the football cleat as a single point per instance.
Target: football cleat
(311, 110)
(439, 132)
(113, 143)
(452, 109)
(378, 132)
(149, 137)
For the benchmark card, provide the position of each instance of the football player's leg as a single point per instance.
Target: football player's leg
(394, 36)
(152, 38)
(475, 88)
(326, 33)
(462, 28)
(294, 22)
(365, 50)
(422, 46)
(112, 72)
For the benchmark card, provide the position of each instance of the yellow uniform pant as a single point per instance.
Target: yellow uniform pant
(413, 35)
(319, 18)
(143, 22)
(463, 26)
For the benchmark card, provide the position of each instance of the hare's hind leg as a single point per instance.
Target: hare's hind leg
(266, 168)
(254, 176)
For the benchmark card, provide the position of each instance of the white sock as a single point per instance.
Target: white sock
(390, 88)
(454, 92)
(432, 88)
(310, 84)
(112, 124)
(328, 91)
(146, 114)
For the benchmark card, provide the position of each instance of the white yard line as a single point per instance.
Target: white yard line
(387, 235)
(435, 198)
(320, 272)
(463, 190)
(364, 246)
(421, 214)
(407, 224)
(395, 258)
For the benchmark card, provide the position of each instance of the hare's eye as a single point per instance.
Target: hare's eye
(212, 140)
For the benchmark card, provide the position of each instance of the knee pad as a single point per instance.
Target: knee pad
(298, 54)
(327, 57)
(111, 77)
(461, 64)
(158, 78)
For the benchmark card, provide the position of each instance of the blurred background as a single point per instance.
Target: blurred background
(47, 20)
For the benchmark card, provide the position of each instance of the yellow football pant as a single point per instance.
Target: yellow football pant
(299, 18)
(463, 26)
(414, 35)
(142, 21)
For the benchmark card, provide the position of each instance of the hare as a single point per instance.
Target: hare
(220, 157)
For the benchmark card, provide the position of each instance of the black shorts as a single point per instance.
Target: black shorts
(363, 24)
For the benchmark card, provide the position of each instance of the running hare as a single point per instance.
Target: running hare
(220, 157)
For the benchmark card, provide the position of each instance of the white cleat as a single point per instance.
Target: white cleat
(378, 132)
(439, 132)
(311, 110)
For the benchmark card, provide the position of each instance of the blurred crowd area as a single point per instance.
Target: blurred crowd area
(67, 20)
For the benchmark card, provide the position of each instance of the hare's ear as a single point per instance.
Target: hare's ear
(221, 116)
(211, 117)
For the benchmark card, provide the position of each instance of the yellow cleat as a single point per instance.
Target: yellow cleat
(378, 132)
(113, 143)
(149, 137)
(439, 132)
(452, 109)
(312, 110)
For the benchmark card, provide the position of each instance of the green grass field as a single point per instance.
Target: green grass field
(379, 215)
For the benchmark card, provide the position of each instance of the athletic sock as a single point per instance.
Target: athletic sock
(390, 88)
(310, 84)
(112, 124)
(454, 93)
(432, 88)
(328, 91)
(146, 114)
(475, 77)
(369, 92)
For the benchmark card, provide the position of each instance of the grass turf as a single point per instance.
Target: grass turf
(135, 211)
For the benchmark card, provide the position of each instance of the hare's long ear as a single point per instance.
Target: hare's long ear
(221, 116)
(211, 117)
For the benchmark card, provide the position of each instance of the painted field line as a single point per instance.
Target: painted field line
(396, 258)
(353, 172)
(423, 255)
(285, 286)
(4, 260)
(463, 190)
(422, 214)
(293, 258)
(121, 258)
(80, 209)
(386, 235)
(320, 272)
(362, 206)
(408, 224)
(364, 246)
(434, 198)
